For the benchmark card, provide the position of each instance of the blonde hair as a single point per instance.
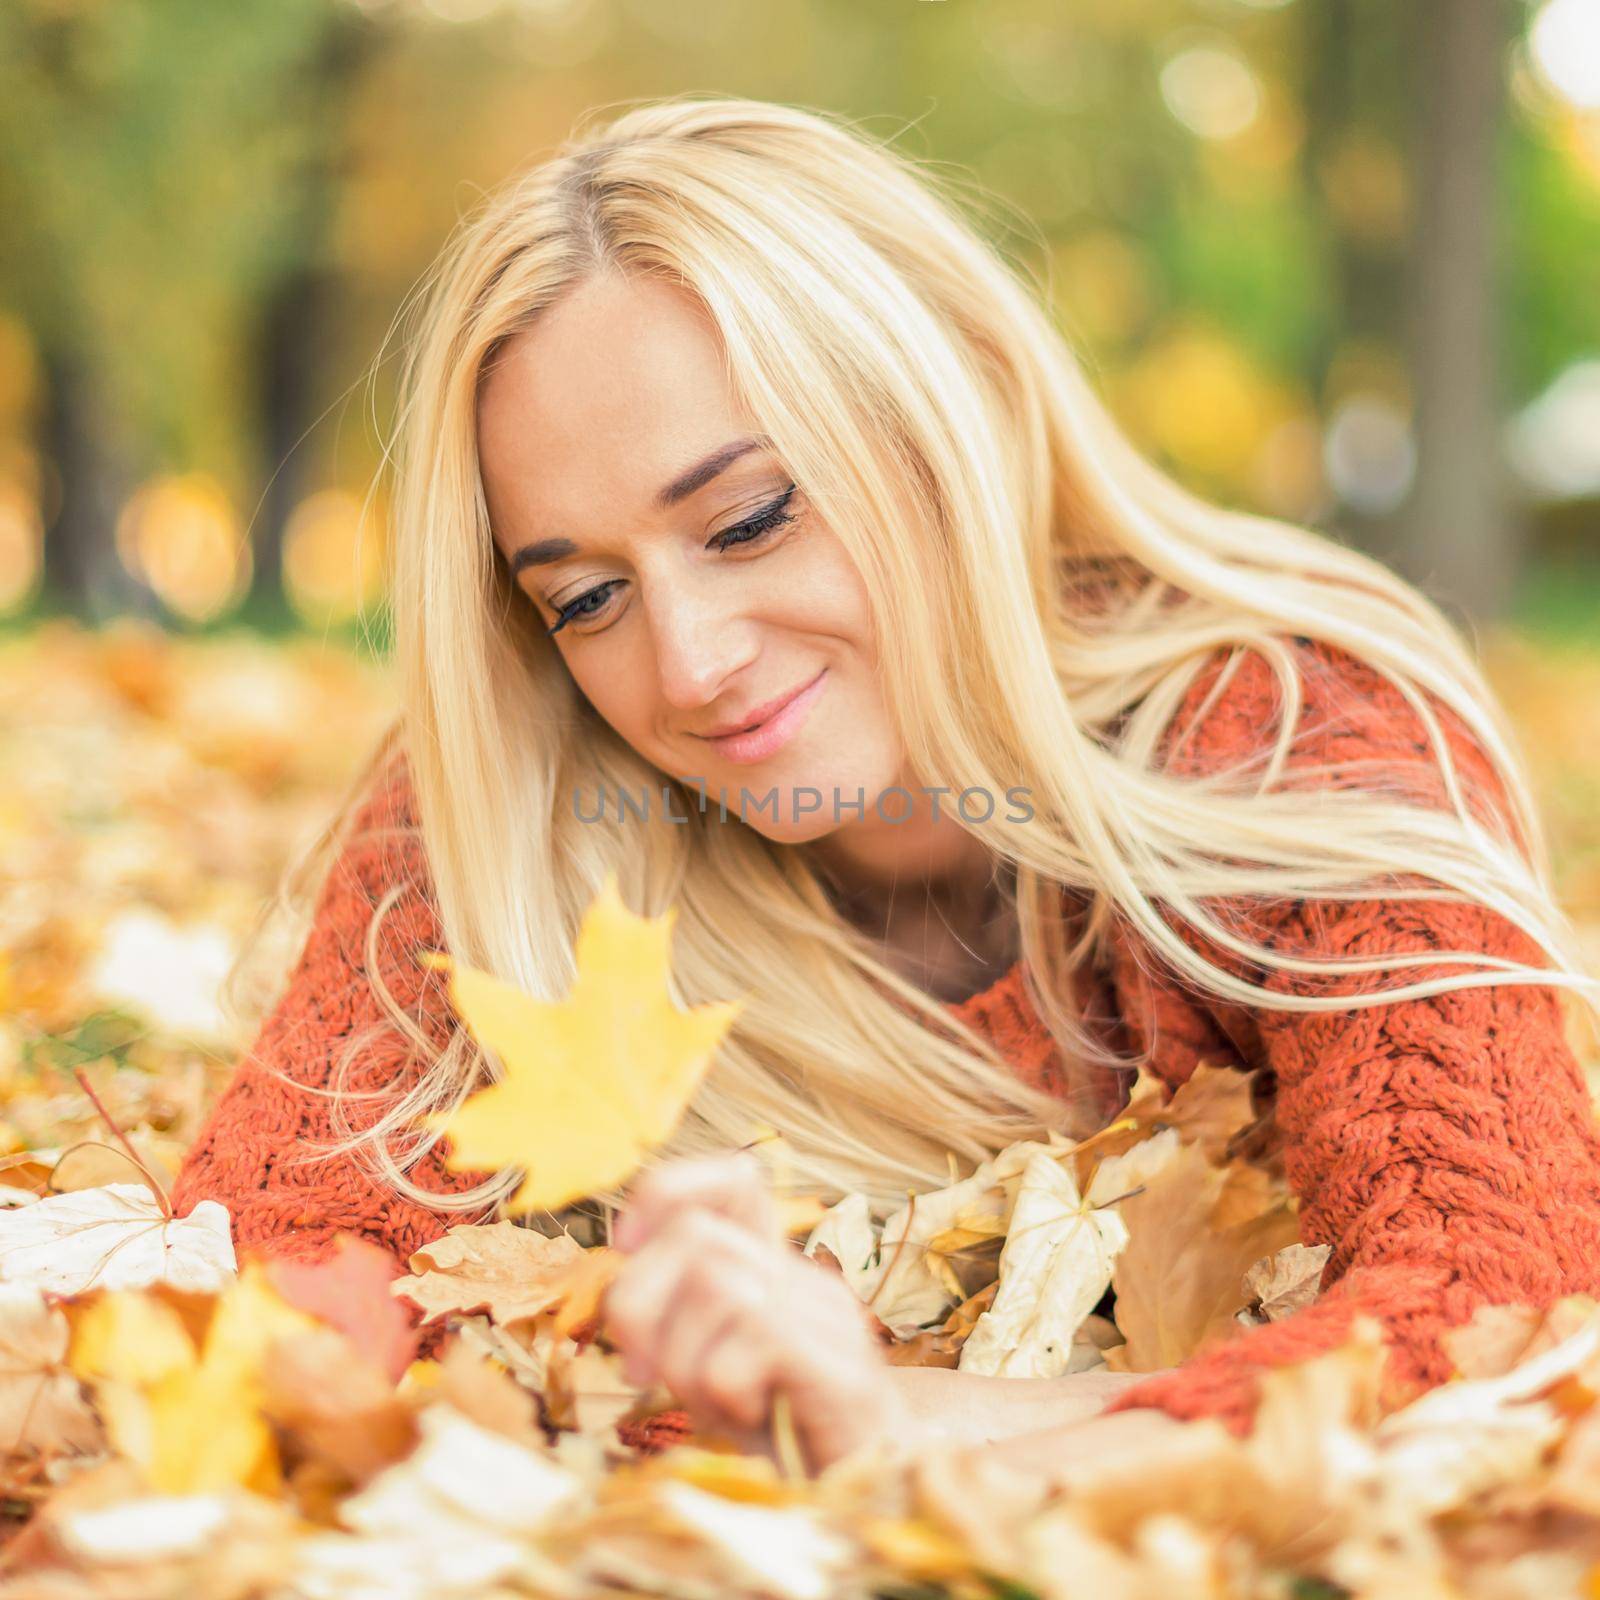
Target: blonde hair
(1021, 557)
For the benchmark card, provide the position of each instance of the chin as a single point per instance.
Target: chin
(795, 790)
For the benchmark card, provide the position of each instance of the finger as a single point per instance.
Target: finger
(638, 1301)
(698, 1256)
(732, 1185)
(713, 1297)
(738, 1376)
(835, 1372)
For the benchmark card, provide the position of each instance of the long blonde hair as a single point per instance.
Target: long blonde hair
(1021, 557)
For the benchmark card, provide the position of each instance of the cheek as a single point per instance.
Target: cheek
(621, 692)
(824, 594)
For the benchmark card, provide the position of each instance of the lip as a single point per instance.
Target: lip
(770, 735)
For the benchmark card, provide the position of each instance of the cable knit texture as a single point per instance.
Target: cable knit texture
(1444, 1148)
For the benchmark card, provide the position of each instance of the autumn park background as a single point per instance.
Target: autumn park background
(1335, 260)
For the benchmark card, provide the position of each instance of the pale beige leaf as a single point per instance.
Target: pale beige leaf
(1055, 1267)
(509, 1271)
(115, 1237)
(910, 1286)
(787, 1552)
(42, 1406)
(1497, 1338)
(846, 1231)
(585, 1389)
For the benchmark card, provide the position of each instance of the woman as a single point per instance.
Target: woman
(734, 463)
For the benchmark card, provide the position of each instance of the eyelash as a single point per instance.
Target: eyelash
(764, 521)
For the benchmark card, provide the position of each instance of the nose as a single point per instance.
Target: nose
(702, 639)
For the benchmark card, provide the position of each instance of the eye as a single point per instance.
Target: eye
(765, 521)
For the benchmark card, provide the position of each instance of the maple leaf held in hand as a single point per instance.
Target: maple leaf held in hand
(592, 1082)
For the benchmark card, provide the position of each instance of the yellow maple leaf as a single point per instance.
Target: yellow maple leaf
(191, 1419)
(591, 1082)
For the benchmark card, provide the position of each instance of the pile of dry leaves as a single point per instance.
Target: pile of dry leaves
(175, 1422)
(179, 1427)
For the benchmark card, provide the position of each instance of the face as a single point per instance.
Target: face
(691, 587)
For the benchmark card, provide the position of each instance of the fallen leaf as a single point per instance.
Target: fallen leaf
(335, 1404)
(458, 1515)
(115, 1237)
(1286, 1281)
(350, 1291)
(1179, 1281)
(41, 1403)
(509, 1271)
(192, 1420)
(1497, 1337)
(1054, 1269)
(908, 1285)
(170, 975)
(592, 1083)
(585, 1390)
(845, 1231)
(787, 1551)
(485, 1393)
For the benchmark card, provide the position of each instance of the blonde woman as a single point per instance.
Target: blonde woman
(737, 474)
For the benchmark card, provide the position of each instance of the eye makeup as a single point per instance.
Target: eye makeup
(751, 530)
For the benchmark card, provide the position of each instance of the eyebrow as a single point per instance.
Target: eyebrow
(543, 551)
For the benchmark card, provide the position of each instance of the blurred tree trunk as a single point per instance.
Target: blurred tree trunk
(1461, 539)
(82, 570)
(297, 316)
(293, 338)
(1354, 90)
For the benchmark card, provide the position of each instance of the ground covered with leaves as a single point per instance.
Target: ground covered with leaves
(176, 1422)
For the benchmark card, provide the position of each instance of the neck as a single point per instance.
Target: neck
(933, 895)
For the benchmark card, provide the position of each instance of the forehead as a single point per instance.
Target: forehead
(590, 411)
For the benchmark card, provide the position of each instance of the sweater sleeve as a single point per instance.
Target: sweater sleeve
(1444, 1148)
(257, 1152)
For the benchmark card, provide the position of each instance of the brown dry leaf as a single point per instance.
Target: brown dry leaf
(582, 1286)
(964, 1317)
(509, 1271)
(1179, 1281)
(337, 1406)
(1281, 1284)
(1497, 1338)
(930, 1348)
(941, 1346)
(1247, 1191)
(1210, 1109)
(524, 1354)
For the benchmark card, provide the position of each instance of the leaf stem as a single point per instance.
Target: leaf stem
(163, 1199)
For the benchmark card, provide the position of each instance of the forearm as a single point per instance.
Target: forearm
(946, 1406)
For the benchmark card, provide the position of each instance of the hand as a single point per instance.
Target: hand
(714, 1303)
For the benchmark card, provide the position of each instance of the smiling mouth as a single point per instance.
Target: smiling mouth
(775, 709)
(773, 732)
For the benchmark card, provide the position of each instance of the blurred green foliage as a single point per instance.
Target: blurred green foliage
(214, 213)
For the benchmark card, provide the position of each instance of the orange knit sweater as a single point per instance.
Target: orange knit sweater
(1445, 1148)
